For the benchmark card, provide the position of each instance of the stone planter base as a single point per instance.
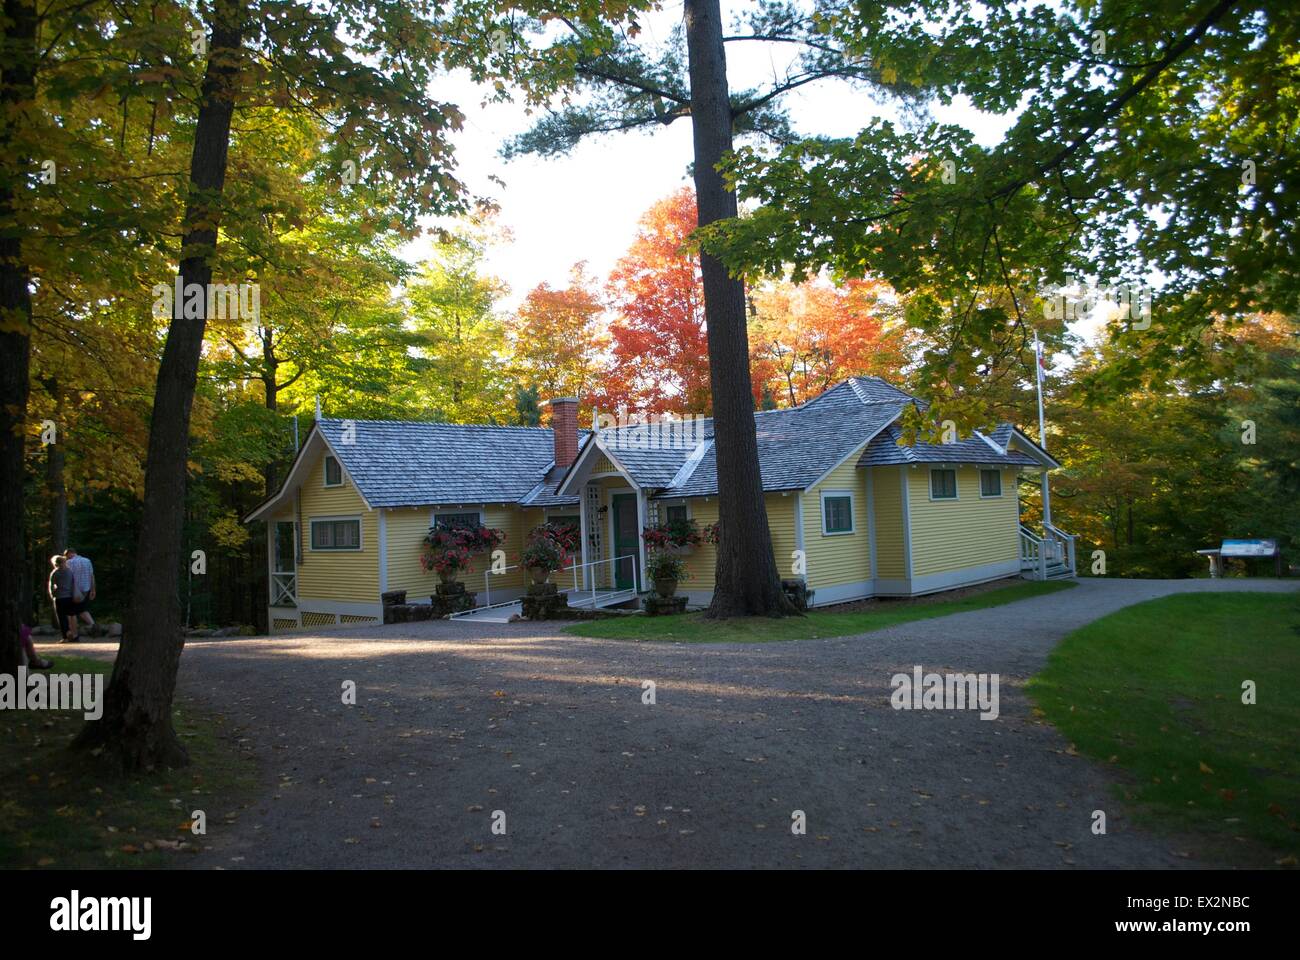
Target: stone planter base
(657, 606)
(544, 602)
(798, 593)
(441, 605)
(392, 597)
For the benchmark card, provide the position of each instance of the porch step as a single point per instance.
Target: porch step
(1055, 571)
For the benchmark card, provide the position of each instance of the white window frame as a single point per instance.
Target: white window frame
(664, 506)
(853, 518)
(956, 484)
(325, 471)
(311, 535)
(991, 496)
(435, 514)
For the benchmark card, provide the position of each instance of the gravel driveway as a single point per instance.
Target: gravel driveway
(454, 721)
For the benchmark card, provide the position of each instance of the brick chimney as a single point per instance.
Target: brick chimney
(564, 424)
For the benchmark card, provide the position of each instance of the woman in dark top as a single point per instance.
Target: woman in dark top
(63, 589)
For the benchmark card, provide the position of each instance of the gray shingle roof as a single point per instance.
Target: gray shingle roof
(885, 450)
(544, 495)
(654, 454)
(797, 446)
(401, 463)
(859, 390)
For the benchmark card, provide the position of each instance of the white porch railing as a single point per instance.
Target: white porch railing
(1055, 550)
(1032, 555)
(613, 578)
(1065, 543)
(284, 589)
(613, 594)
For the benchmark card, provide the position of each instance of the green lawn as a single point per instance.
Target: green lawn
(1156, 690)
(693, 628)
(59, 809)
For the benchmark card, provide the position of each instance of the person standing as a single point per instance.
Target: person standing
(83, 572)
(63, 587)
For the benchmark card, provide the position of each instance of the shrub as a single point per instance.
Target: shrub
(543, 552)
(665, 566)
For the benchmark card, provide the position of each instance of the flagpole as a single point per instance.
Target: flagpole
(1042, 427)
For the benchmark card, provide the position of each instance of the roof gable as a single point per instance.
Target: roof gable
(886, 450)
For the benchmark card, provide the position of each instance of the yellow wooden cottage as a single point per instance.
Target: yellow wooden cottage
(853, 513)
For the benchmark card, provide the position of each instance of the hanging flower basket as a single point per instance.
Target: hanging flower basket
(448, 551)
(679, 537)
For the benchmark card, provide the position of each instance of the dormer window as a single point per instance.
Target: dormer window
(333, 472)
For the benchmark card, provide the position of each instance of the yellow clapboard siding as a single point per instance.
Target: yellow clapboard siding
(887, 502)
(407, 528)
(838, 558)
(345, 575)
(515, 523)
(702, 561)
(781, 526)
(967, 532)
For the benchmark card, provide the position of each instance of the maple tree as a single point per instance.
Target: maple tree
(659, 357)
(805, 338)
(558, 340)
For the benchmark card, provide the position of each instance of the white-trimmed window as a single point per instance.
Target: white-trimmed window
(677, 512)
(943, 484)
(837, 512)
(336, 533)
(333, 472)
(990, 483)
(458, 518)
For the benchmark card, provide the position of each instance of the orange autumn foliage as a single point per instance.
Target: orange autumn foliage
(659, 356)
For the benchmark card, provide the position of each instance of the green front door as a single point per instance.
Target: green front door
(623, 506)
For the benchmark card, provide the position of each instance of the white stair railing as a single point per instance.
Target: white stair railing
(574, 568)
(1056, 548)
(613, 576)
(1033, 556)
(1065, 542)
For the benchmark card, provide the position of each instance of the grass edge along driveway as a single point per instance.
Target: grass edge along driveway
(815, 625)
(1155, 691)
(63, 810)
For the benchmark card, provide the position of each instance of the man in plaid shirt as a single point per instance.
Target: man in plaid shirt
(83, 573)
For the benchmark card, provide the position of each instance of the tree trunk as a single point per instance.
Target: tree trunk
(136, 727)
(17, 95)
(746, 580)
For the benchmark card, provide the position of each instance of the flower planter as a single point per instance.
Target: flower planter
(447, 576)
(539, 574)
(665, 587)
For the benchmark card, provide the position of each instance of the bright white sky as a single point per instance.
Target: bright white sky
(585, 206)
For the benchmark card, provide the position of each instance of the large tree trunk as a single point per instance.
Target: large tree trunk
(746, 580)
(136, 727)
(17, 96)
